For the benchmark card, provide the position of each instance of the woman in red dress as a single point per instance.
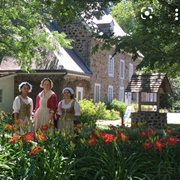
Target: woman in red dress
(46, 105)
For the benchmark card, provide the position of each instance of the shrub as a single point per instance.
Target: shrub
(111, 114)
(100, 110)
(90, 112)
(118, 106)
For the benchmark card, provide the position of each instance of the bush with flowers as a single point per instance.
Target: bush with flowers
(91, 112)
(114, 153)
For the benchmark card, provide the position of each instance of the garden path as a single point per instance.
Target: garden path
(172, 118)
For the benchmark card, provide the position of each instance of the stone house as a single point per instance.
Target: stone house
(97, 76)
(110, 74)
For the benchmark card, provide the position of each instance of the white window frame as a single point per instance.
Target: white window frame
(1, 96)
(121, 93)
(122, 69)
(110, 93)
(155, 97)
(130, 71)
(97, 92)
(147, 97)
(128, 97)
(79, 93)
(151, 97)
(111, 66)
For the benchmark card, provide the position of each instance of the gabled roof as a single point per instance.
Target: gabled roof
(61, 59)
(102, 23)
(151, 83)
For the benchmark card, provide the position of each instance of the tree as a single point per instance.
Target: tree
(171, 101)
(156, 35)
(124, 14)
(23, 32)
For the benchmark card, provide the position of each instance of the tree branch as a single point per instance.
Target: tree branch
(164, 3)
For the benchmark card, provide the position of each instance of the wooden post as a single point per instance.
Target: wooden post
(158, 95)
(139, 102)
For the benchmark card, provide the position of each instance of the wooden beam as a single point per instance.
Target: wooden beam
(139, 102)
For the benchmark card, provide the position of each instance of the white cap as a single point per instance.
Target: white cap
(69, 89)
(25, 83)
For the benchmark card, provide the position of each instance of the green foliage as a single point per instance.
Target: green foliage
(175, 97)
(23, 27)
(126, 20)
(66, 156)
(90, 111)
(23, 35)
(171, 101)
(157, 38)
(6, 117)
(118, 106)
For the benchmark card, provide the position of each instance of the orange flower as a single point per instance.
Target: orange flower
(171, 140)
(24, 124)
(52, 125)
(92, 141)
(44, 127)
(107, 137)
(122, 136)
(80, 125)
(27, 137)
(158, 145)
(34, 150)
(143, 134)
(9, 127)
(95, 133)
(150, 131)
(14, 138)
(147, 144)
(76, 127)
(169, 130)
(17, 122)
(41, 136)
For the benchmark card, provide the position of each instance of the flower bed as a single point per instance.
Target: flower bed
(90, 153)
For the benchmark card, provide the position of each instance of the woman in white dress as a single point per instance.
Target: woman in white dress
(69, 111)
(46, 105)
(23, 107)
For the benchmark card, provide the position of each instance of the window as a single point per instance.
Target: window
(97, 89)
(128, 97)
(79, 93)
(110, 93)
(130, 70)
(121, 93)
(1, 95)
(155, 97)
(111, 66)
(151, 97)
(122, 69)
(147, 96)
(134, 96)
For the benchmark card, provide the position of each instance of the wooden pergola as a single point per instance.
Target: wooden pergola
(149, 83)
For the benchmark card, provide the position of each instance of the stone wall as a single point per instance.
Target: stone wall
(35, 80)
(59, 81)
(152, 119)
(98, 61)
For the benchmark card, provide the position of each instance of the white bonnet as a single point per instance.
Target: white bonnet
(25, 83)
(69, 89)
